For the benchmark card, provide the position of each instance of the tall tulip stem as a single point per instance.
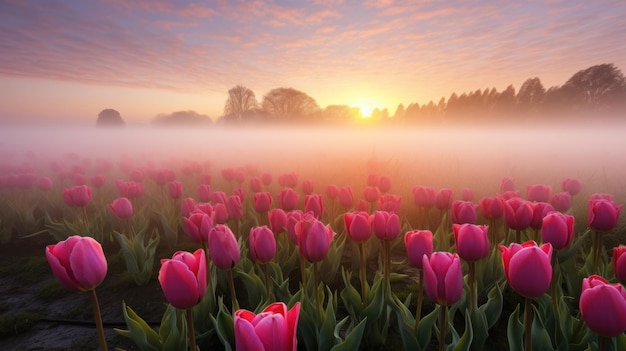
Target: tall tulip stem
(233, 295)
(205, 246)
(528, 324)
(443, 316)
(266, 277)
(303, 271)
(518, 236)
(387, 263)
(602, 341)
(190, 330)
(318, 298)
(98, 317)
(597, 251)
(472, 285)
(420, 298)
(555, 296)
(363, 273)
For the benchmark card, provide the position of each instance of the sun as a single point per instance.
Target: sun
(365, 106)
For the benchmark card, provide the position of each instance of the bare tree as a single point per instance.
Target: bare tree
(240, 101)
(289, 103)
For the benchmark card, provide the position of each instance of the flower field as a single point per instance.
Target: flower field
(319, 248)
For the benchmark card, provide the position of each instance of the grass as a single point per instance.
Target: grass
(17, 323)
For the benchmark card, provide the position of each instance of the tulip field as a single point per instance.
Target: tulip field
(322, 253)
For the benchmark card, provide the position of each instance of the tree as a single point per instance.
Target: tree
(289, 103)
(400, 112)
(531, 95)
(182, 118)
(240, 101)
(600, 85)
(342, 113)
(109, 118)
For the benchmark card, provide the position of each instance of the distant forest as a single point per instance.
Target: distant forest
(596, 91)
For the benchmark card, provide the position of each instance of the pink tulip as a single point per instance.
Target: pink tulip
(262, 244)
(603, 306)
(234, 207)
(187, 206)
(540, 210)
(255, 184)
(240, 176)
(386, 225)
(307, 186)
(619, 263)
(223, 247)
(313, 238)
(241, 192)
(424, 196)
(288, 180)
(472, 241)
(527, 267)
(467, 194)
(175, 189)
(122, 208)
(219, 197)
(197, 226)
(262, 202)
(418, 243)
(390, 203)
(463, 212)
(98, 181)
(371, 193)
(77, 196)
(518, 213)
(538, 193)
(332, 191)
(220, 213)
(443, 199)
(572, 186)
(131, 189)
(372, 179)
(314, 203)
(293, 217)
(204, 192)
(384, 184)
(507, 184)
(183, 278)
(278, 220)
(266, 179)
(78, 263)
(491, 207)
(507, 195)
(562, 201)
(205, 179)
(358, 226)
(288, 199)
(603, 215)
(204, 207)
(228, 174)
(558, 230)
(362, 205)
(44, 183)
(443, 278)
(274, 329)
(346, 199)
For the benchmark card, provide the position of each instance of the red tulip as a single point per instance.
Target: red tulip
(358, 226)
(274, 329)
(278, 220)
(603, 215)
(558, 230)
(78, 263)
(77, 196)
(197, 226)
(443, 199)
(562, 201)
(619, 263)
(346, 199)
(175, 189)
(443, 278)
(314, 203)
(288, 199)
(183, 278)
(418, 243)
(491, 207)
(204, 192)
(424, 196)
(472, 241)
(386, 225)
(527, 267)
(518, 213)
(603, 306)
(572, 186)
(223, 247)
(262, 244)
(122, 208)
(538, 193)
(262, 202)
(313, 238)
(463, 212)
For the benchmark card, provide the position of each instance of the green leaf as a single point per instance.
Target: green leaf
(173, 330)
(540, 337)
(480, 328)
(352, 341)
(425, 328)
(224, 326)
(492, 309)
(466, 340)
(515, 331)
(139, 331)
(326, 338)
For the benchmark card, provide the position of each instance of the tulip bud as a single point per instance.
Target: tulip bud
(262, 244)
(558, 230)
(122, 208)
(603, 306)
(603, 214)
(443, 278)
(472, 241)
(223, 247)
(78, 263)
(183, 278)
(386, 225)
(358, 226)
(418, 243)
(288, 199)
(527, 267)
(262, 202)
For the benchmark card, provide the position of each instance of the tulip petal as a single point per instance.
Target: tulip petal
(246, 338)
(604, 310)
(88, 263)
(179, 284)
(59, 271)
(530, 272)
(272, 330)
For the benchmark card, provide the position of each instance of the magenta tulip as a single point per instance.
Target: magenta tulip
(603, 306)
(527, 267)
(540, 210)
(346, 198)
(278, 220)
(371, 193)
(424, 196)
(77, 196)
(619, 263)
(175, 189)
(472, 241)
(443, 278)
(572, 186)
(384, 184)
(538, 193)
(491, 207)
(274, 329)
(314, 238)
(262, 202)
(467, 194)
(78, 263)
(220, 213)
(288, 199)
(463, 212)
(197, 226)
(386, 225)
(293, 217)
(262, 244)
(332, 191)
(234, 207)
(223, 247)
(314, 203)
(390, 203)
(603, 214)
(255, 184)
(187, 206)
(418, 243)
(204, 192)
(562, 201)
(183, 278)
(443, 199)
(98, 181)
(288, 180)
(558, 230)
(122, 208)
(307, 186)
(518, 213)
(358, 226)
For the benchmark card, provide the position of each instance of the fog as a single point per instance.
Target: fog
(454, 157)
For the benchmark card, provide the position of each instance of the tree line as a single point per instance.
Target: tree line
(597, 90)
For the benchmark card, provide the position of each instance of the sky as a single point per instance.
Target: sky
(68, 60)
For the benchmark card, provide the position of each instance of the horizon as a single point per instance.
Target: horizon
(70, 61)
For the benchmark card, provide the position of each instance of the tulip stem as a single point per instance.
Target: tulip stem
(303, 271)
(472, 285)
(556, 275)
(86, 220)
(443, 315)
(387, 263)
(518, 236)
(363, 274)
(266, 277)
(98, 317)
(597, 251)
(420, 298)
(233, 296)
(207, 258)
(602, 343)
(528, 324)
(318, 298)
(191, 331)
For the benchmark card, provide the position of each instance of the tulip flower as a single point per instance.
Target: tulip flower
(572, 186)
(371, 194)
(346, 198)
(288, 199)
(175, 189)
(240, 176)
(288, 180)
(293, 217)
(463, 212)
(603, 214)
(187, 206)
(372, 179)
(274, 329)
(220, 213)
(183, 278)
(225, 253)
(234, 207)
(77, 196)
(518, 213)
(423, 196)
(467, 194)
(386, 225)
(538, 193)
(307, 186)
(603, 306)
(266, 179)
(278, 220)
(255, 184)
(204, 192)
(527, 267)
(131, 190)
(507, 184)
(558, 230)
(197, 226)
(44, 183)
(389, 203)
(218, 197)
(241, 192)
(384, 184)
(228, 174)
(358, 225)
(562, 201)
(314, 203)
(332, 191)
(418, 243)
(98, 181)
(619, 263)
(443, 199)
(262, 244)
(122, 208)
(79, 264)
(472, 241)
(314, 238)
